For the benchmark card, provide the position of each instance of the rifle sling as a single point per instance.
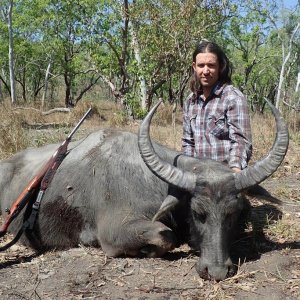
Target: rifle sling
(14, 240)
(28, 223)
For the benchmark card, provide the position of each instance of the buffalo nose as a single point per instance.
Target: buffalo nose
(216, 271)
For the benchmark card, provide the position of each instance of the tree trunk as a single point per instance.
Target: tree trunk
(1, 92)
(92, 82)
(68, 93)
(3, 79)
(137, 54)
(298, 83)
(285, 60)
(47, 75)
(11, 54)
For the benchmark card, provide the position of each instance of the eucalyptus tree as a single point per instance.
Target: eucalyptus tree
(285, 42)
(140, 65)
(29, 58)
(110, 49)
(289, 40)
(4, 66)
(7, 14)
(31, 51)
(168, 32)
(246, 38)
(261, 45)
(67, 37)
(51, 41)
(143, 48)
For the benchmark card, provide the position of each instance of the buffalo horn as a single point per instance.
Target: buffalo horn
(265, 167)
(164, 170)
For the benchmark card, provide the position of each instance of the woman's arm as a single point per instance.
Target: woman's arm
(188, 143)
(239, 131)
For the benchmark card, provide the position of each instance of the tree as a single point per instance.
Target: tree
(141, 49)
(52, 31)
(110, 48)
(285, 59)
(7, 13)
(168, 33)
(263, 40)
(30, 55)
(66, 35)
(140, 65)
(289, 37)
(137, 54)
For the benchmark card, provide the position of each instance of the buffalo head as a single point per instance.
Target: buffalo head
(212, 193)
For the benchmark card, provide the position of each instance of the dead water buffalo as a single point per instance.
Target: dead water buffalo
(119, 191)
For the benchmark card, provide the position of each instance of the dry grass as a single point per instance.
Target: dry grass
(263, 135)
(286, 229)
(166, 129)
(12, 134)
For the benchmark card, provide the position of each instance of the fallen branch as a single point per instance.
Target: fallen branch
(48, 112)
(58, 109)
(44, 125)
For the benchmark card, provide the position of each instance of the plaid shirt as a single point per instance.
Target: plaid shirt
(218, 128)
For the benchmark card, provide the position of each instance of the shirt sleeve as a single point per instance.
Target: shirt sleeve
(188, 143)
(239, 131)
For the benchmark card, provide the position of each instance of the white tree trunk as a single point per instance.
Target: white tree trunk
(281, 77)
(46, 84)
(137, 55)
(11, 53)
(1, 92)
(285, 60)
(298, 83)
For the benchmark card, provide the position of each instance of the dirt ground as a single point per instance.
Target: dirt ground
(268, 259)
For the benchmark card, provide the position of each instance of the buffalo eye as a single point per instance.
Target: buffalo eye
(199, 216)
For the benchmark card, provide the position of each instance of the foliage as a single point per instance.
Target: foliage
(90, 44)
(256, 48)
(168, 33)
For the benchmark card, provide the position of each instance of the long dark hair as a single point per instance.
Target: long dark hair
(224, 64)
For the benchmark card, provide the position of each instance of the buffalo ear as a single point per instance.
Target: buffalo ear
(261, 193)
(169, 202)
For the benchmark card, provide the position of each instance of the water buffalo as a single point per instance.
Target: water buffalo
(119, 191)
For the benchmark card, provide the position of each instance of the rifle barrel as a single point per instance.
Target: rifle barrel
(78, 124)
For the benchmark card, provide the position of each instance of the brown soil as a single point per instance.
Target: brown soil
(268, 268)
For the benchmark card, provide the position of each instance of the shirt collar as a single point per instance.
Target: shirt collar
(215, 92)
(218, 88)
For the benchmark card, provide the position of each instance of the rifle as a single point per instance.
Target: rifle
(42, 179)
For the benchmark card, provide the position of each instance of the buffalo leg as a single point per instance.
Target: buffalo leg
(138, 238)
